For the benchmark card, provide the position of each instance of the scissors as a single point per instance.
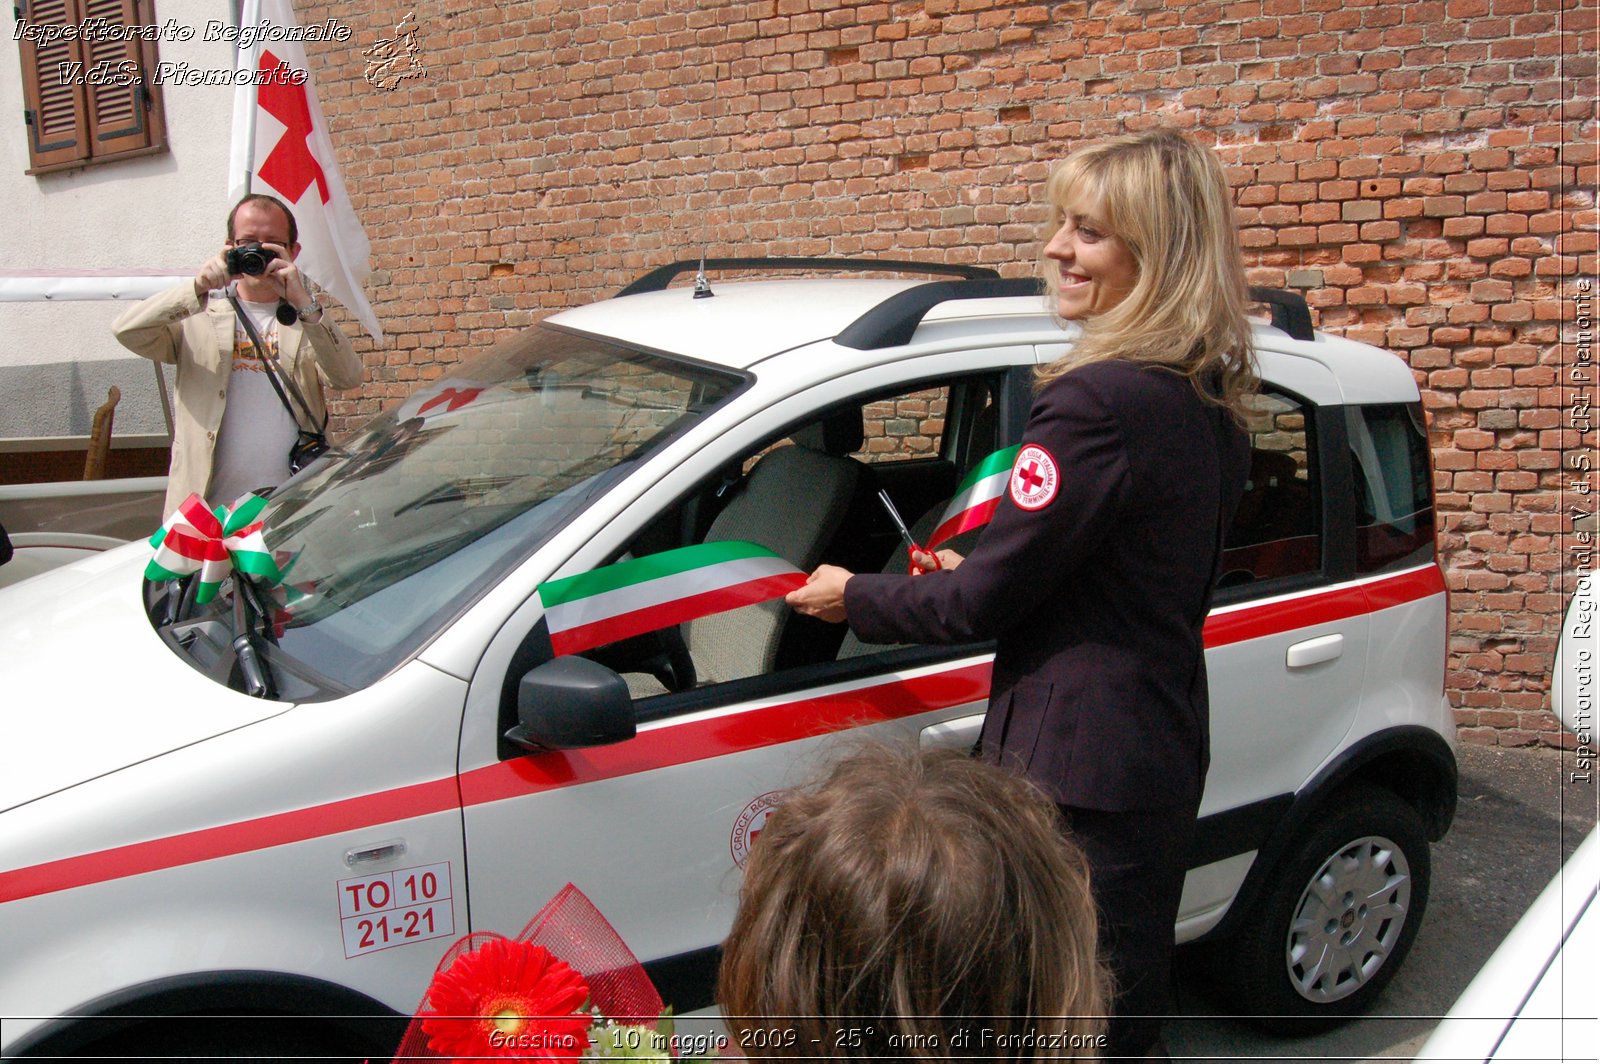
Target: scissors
(905, 534)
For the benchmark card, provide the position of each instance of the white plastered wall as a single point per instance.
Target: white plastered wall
(161, 212)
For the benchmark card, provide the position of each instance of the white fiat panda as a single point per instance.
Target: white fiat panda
(526, 634)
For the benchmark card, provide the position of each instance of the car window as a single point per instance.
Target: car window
(904, 427)
(1276, 532)
(1394, 497)
(807, 498)
(435, 500)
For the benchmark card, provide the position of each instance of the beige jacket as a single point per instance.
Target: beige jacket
(173, 327)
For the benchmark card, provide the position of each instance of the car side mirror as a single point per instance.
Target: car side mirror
(572, 702)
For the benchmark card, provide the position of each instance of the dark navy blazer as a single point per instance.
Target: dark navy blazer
(1097, 598)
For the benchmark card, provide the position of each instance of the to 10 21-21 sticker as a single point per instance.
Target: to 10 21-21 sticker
(394, 908)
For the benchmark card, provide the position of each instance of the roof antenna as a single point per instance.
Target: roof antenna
(702, 287)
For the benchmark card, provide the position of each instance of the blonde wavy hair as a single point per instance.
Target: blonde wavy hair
(929, 903)
(1167, 200)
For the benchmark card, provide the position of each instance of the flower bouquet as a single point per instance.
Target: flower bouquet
(566, 989)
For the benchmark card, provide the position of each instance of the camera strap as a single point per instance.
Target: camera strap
(275, 371)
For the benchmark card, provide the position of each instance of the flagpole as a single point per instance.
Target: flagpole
(297, 155)
(249, 15)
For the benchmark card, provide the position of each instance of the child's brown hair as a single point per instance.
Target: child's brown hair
(915, 906)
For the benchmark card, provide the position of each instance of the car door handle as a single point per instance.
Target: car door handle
(369, 855)
(959, 733)
(1315, 651)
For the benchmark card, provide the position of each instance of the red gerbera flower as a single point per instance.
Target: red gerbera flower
(507, 999)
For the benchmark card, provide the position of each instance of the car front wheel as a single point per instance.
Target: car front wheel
(1338, 916)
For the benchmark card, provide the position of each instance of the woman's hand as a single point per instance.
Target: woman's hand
(922, 562)
(823, 594)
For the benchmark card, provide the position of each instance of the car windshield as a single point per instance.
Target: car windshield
(394, 534)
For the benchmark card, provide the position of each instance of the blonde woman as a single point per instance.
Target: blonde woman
(915, 906)
(1095, 575)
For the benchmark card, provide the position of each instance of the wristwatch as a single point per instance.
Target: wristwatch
(310, 310)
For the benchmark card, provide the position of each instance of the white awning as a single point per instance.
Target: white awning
(28, 286)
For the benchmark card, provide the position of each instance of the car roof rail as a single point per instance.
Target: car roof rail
(662, 276)
(893, 322)
(1289, 311)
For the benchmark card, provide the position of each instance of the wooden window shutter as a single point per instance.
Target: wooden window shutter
(122, 116)
(54, 108)
(90, 101)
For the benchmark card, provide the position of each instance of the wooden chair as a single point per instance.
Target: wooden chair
(94, 461)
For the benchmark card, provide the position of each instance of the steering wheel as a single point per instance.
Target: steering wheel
(661, 653)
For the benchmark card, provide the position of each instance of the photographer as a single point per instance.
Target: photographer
(234, 429)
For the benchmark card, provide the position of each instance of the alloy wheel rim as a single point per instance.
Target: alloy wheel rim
(1348, 920)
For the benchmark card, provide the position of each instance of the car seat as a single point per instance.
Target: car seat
(792, 503)
(1273, 530)
(985, 428)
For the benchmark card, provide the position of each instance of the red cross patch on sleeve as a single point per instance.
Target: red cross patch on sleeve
(1034, 478)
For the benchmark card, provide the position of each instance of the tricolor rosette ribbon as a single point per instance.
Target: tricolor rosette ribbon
(976, 498)
(645, 594)
(213, 543)
(566, 989)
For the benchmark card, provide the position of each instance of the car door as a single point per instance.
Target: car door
(656, 828)
(1286, 638)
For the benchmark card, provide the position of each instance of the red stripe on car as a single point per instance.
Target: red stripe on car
(681, 744)
(1254, 622)
(226, 840)
(675, 744)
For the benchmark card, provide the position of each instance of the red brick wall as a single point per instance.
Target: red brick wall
(1424, 171)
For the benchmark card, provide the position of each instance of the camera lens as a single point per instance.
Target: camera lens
(249, 259)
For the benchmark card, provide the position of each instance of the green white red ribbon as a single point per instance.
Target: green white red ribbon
(213, 543)
(643, 594)
(976, 497)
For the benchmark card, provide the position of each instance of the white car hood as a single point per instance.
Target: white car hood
(86, 685)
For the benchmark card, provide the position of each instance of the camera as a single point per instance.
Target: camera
(249, 258)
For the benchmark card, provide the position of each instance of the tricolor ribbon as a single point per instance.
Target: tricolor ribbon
(212, 543)
(643, 594)
(976, 497)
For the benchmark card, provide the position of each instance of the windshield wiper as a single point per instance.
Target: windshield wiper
(179, 601)
(257, 680)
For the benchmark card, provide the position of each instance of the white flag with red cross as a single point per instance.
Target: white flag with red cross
(281, 148)
(446, 396)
